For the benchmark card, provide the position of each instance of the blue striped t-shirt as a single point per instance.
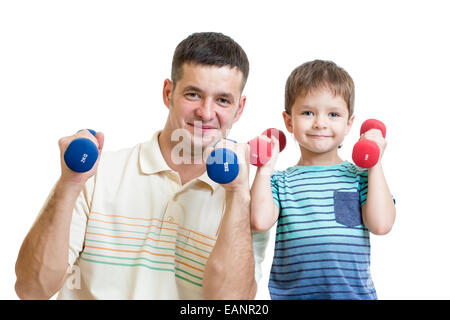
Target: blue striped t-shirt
(322, 248)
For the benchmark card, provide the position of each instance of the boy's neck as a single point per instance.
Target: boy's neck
(318, 159)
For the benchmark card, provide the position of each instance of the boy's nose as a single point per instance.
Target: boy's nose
(320, 122)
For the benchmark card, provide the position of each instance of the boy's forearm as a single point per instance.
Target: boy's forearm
(262, 217)
(379, 209)
(43, 258)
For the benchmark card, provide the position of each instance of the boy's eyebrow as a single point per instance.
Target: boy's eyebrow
(304, 106)
(330, 107)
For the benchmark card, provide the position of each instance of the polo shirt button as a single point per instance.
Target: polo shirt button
(171, 219)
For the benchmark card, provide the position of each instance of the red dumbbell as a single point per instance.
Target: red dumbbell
(366, 152)
(261, 150)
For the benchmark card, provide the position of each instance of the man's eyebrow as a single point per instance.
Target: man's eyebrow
(226, 95)
(192, 88)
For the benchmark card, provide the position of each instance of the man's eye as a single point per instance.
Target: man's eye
(193, 95)
(223, 101)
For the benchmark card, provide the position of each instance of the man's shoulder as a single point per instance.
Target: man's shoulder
(121, 157)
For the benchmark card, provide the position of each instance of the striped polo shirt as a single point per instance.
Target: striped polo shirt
(138, 233)
(322, 248)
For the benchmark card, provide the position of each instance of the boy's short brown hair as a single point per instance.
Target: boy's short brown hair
(319, 74)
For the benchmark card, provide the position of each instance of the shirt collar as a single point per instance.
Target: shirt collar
(152, 161)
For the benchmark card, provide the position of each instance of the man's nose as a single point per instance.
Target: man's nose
(206, 110)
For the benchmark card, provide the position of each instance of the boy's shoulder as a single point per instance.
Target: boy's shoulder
(345, 167)
(353, 168)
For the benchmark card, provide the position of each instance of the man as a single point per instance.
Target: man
(147, 222)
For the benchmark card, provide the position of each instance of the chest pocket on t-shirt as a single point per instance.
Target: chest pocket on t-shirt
(347, 208)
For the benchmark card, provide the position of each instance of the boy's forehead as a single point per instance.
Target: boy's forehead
(320, 97)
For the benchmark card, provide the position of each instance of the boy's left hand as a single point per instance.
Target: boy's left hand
(376, 136)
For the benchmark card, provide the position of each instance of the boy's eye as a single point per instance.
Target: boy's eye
(334, 114)
(307, 113)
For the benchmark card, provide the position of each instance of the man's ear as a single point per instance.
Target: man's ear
(240, 109)
(288, 122)
(349, 124)
(167, 92)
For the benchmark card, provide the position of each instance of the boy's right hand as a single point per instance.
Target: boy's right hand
(70, 176)
(268, 167)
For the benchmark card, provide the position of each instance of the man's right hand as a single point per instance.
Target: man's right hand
(70, 176)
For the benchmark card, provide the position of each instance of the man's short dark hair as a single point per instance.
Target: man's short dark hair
(211, 49)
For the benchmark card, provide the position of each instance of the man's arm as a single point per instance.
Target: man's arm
(42, 263)
(230, 270)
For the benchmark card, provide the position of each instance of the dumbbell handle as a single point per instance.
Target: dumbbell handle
(81, 154)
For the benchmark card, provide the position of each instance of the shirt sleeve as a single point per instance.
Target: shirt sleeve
(78, 225)
(275, 189)
(363, 184)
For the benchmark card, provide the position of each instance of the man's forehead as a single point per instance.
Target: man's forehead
(193, 73)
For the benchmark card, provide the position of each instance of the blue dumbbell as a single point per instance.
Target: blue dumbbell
(222, 165)
(81, 154)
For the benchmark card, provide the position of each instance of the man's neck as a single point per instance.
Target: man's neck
(194, 167)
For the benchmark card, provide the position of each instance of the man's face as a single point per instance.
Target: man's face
(205, 102)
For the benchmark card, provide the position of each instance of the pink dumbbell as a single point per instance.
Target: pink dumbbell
(366, 152)
(261, 150)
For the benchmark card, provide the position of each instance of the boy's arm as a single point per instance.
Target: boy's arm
(263, 210)
(378, 212)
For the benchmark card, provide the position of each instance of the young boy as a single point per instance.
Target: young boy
(325, 206)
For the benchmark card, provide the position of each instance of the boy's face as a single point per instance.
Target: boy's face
(319, 121)
(206, 101)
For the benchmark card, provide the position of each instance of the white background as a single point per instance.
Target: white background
(67, 65)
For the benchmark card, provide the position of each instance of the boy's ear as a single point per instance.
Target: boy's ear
(349, 124)
(288, 122)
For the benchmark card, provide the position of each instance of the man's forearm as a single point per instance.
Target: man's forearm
(229, 273)
(43, 258)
